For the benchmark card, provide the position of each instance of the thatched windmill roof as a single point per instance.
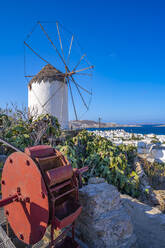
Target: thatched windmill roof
(48, 73)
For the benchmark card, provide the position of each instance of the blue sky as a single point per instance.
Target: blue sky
(125, 40)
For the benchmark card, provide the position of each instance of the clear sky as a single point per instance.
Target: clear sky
(125, 40)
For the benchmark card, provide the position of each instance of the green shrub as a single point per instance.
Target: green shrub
(22, 133)
(104, 159)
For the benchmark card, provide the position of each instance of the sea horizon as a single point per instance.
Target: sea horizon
(156, 129)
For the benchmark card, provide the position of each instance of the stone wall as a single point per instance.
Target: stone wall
(148, 222)
(104, 221)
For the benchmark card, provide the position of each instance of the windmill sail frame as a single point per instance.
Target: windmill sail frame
(67, 77)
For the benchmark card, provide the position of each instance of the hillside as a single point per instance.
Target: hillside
(93, 124)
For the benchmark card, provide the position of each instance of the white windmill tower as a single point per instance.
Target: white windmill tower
(48, 90)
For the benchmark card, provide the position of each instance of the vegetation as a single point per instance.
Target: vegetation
(104, 159)
(155, 173)
(114, 163)
(135, 137)
(154, 169)
(155, 141)
(22, 132)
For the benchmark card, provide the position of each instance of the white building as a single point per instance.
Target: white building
(48, 93)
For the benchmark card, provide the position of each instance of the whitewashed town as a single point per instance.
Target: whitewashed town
(150, 146)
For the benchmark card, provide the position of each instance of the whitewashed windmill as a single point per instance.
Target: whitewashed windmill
(48, 90)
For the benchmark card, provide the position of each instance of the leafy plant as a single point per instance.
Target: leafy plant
(22, 132)
(104, 159)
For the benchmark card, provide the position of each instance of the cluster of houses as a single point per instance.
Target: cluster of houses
(150, 146)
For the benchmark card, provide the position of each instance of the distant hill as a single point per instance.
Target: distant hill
(93, 124)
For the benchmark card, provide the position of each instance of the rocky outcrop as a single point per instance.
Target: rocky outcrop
(153, 152)
(158, 153)
(148, 223)
(104, 221)
(152, 185)
(145, 188)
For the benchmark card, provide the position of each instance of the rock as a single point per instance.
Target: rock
(104, 221)
(153, 152)
(95, 180)
(144, 183)
(148, 223)
(141, 147)
(158, 153)
(141, 150)
(141, 144)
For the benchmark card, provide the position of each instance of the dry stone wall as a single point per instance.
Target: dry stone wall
(148, 222)
(104, 221)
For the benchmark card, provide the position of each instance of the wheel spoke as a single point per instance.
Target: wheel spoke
(90, 93)
(80, 93)
(53, 45)
(79, 62)
(36, 53)
(84, 69)
(59, 36)
(70, 49)
(72, 100)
